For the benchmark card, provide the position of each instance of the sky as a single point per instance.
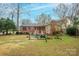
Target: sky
(30, 10)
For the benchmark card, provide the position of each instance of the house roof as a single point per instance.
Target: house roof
(53, 21)
(33, 24)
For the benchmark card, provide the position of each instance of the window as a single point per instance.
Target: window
(24, 28)
(29, 28)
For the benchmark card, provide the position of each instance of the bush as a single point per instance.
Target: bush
(59, 33)
(72, 31)
(17, 33)
(9, 33)
(27, 33)
(20, 33)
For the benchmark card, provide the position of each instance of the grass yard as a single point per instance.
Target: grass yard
(19, 45)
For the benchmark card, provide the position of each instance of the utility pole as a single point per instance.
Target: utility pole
(18, 16)
(11, 15)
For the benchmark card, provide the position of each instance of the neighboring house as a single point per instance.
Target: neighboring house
(64, 23)
(52, 27)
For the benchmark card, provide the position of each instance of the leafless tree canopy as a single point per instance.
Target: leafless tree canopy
(67, 10)
(43, 19)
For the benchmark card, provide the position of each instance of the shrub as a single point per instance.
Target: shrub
(17, 33)
(20, 33)
(59, 33)
(72, 31)
(9, 33)
(27, 33)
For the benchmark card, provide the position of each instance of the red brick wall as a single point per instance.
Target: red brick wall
(53, 26)
(32, 29)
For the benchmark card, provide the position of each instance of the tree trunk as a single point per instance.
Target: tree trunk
(29, 36)
(13, 31)
(6, 32)
(18, 17)
(3, 32)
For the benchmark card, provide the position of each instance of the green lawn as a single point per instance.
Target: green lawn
(20, 45)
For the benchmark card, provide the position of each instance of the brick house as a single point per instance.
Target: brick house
(50, 28)
(33, 28)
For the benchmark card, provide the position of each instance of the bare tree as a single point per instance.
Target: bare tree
(67, 10)
(73, 11)
(26, 22)
(43, 19)
(61, 10)
(70, 10)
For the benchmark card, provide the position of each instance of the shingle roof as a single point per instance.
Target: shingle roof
(33, 24)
